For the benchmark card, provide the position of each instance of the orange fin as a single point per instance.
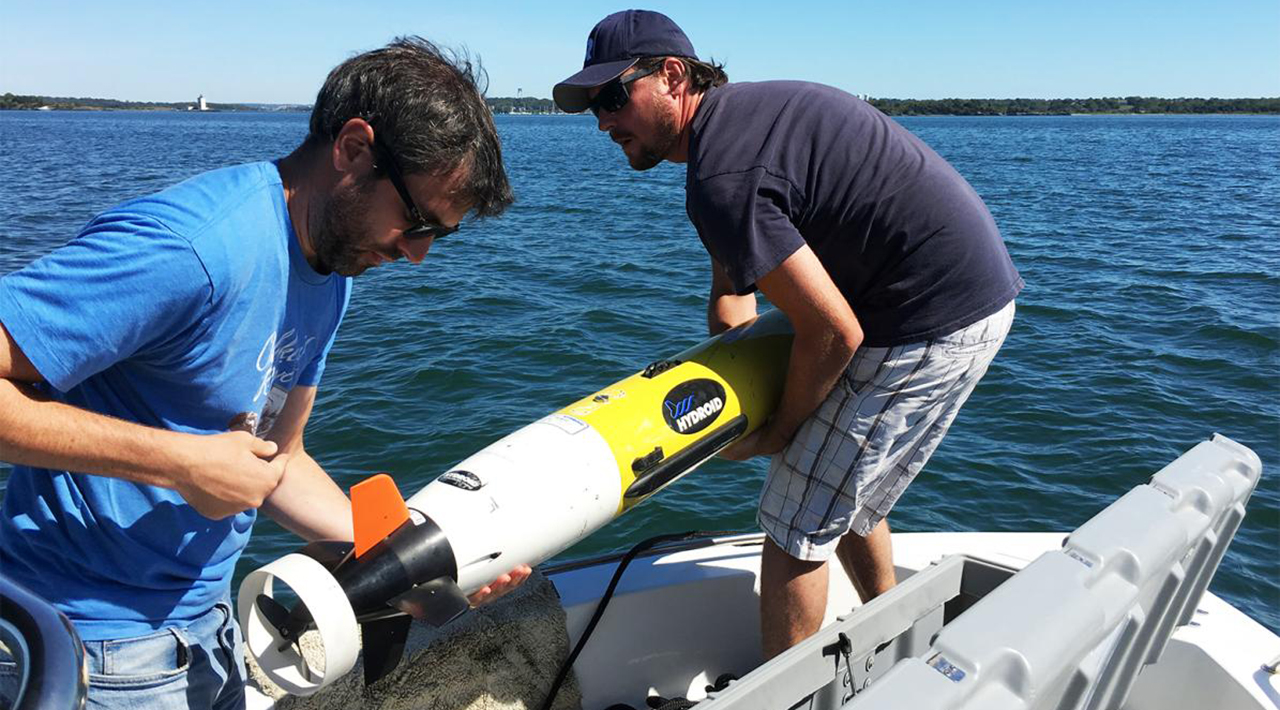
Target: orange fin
(376, 511)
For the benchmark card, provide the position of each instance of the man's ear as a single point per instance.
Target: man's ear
(353, 147)
(675, 73)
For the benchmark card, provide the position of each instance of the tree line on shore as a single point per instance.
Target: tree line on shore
(1062, 107)
(893, 107)
(999, 107)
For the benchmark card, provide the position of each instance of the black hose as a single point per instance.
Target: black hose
(608, 594)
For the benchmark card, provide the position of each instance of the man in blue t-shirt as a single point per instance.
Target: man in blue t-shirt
(886, 261)
(157, 372)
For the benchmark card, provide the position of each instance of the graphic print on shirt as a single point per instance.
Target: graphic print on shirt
(280, 361)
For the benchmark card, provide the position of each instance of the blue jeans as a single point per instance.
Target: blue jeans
(200, 665)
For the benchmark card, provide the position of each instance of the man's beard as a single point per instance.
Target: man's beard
(666, 137)
(338, 237)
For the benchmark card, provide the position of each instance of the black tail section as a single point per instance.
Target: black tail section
(437, 602)
(329, 553)
(383, 641)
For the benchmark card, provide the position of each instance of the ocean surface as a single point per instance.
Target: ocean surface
(1151, 318)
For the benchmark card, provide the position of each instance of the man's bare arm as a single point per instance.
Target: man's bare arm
(307, 502)
(218, 475)
(826, 335)
(726, 309)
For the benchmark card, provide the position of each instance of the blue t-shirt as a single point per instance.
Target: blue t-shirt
(778, 164)
(179, 311)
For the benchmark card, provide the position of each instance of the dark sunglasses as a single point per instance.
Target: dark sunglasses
(613, 96)
(419, 226)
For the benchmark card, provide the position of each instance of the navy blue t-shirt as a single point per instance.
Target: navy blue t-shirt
(774, 165)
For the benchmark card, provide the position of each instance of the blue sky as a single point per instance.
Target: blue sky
(279, 52)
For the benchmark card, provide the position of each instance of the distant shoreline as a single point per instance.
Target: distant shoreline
(12, 102)
(1129, 105)
(1108, 106)
(1120, 106)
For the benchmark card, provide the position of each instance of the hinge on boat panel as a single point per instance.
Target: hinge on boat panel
(843, 648)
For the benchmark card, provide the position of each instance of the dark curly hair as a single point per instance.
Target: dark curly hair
(427, 106)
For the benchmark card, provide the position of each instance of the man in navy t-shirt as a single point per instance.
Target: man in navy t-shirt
(887, 263)
(128, 354)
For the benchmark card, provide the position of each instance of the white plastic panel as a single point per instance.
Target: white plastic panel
(1074, 627)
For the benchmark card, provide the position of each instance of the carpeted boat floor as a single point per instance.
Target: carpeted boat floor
(501, 656)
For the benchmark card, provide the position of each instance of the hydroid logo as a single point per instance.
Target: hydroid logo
(678, 409)
(692, 406)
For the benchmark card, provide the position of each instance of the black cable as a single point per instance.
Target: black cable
(608, 594)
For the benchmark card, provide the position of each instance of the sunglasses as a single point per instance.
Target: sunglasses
(419, 226)
(613, 96)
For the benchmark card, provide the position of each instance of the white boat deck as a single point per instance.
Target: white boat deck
(1222, 649)
(709, 624)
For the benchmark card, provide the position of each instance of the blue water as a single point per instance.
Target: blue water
(1151, 318)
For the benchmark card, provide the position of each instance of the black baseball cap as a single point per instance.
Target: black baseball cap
(615, 44)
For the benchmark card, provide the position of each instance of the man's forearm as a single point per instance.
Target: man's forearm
(729, 311)
(725, 308)
(308, 503)
(817, 362)
(218, 474)
(35, 431)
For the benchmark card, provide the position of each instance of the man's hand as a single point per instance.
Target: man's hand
(762, 442)
(500, 586)
(229, 473)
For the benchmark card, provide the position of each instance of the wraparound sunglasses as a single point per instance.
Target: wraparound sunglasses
(613, 96)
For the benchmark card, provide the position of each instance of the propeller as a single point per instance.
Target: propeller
(274, 625)
(289, 624)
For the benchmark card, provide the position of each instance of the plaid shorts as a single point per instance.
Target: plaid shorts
(850, 460)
